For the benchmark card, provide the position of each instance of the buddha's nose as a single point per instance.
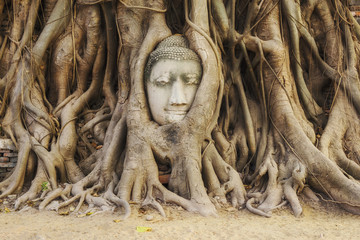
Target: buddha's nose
(177, 93)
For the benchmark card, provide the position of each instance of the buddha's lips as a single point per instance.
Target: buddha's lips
(176, 112)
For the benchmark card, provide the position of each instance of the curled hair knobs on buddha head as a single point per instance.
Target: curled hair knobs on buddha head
(175, 47)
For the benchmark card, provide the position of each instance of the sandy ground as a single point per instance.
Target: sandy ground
(319, 221)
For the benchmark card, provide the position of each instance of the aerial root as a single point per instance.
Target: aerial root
(109, 195)
(292, 173)
(59, 192)
(35, 187)
(92, 199)
(258, 198)
(215, 191)
(217, 197)
(270, 198)
(189, 205)
(16, 179)
(82, 196)
(100, 117)
(67, 202)
(222, 179)
(293, 185)
(235, 187)
(291, 196)
(150, 201)
(255, 210)
(156, 191)
(308, 193)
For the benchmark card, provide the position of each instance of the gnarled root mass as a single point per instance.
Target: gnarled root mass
(277, 107)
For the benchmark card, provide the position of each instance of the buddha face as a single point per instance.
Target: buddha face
(171, 89)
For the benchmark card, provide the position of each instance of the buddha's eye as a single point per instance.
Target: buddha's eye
(162, 81)
(192, 79)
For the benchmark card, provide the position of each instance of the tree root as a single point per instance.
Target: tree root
(221, 178)
(157, 191)
(35, 188)
(140, 180)
(292, 176)
(59, 192)
(16, 179)
(249, 206)
(83, 193)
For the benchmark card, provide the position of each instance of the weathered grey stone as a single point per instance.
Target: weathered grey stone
(6, 143)
(4, 159)
(7, 165)
(10, 154)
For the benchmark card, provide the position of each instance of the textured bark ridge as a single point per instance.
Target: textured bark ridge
(277, 107)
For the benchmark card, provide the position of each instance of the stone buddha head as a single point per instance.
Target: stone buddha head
(172, 76)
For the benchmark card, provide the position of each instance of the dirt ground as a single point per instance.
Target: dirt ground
(318, 221)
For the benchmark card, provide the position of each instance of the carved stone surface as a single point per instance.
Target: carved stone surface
(6, 143)
(172, 77)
